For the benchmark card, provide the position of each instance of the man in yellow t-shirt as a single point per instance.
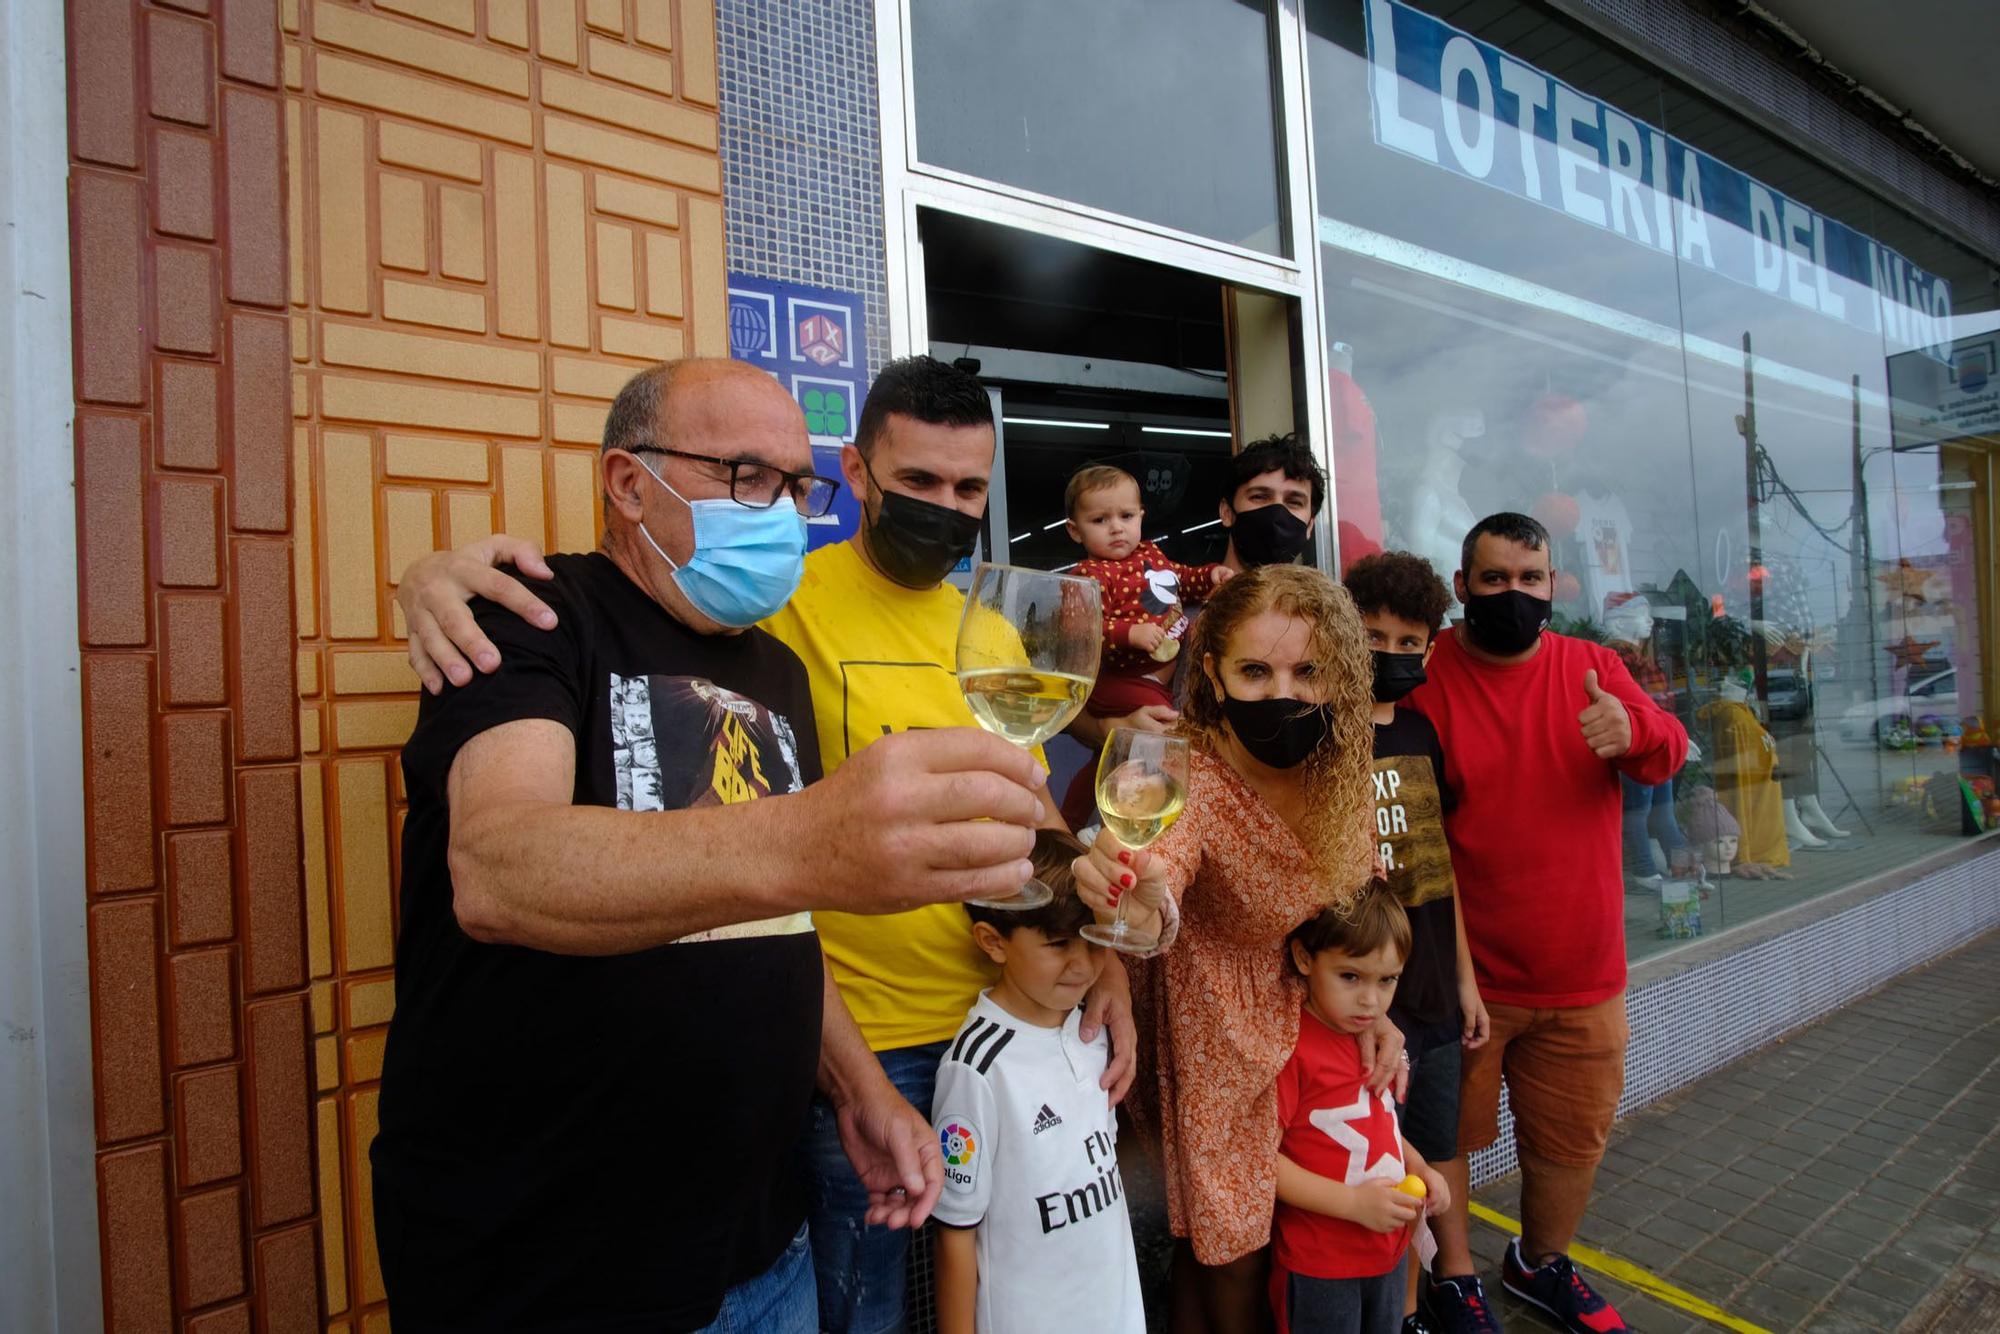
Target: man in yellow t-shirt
(877, 627)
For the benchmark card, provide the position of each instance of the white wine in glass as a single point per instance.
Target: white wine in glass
(1027, 659)
(1142, 780)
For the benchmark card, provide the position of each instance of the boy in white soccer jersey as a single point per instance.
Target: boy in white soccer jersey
(1034, 1231)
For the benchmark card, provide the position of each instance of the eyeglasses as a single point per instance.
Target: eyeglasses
(758, 485)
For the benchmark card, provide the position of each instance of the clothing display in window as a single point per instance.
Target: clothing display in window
(1745, 757)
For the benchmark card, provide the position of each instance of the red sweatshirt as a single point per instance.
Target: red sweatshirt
(1143, 588)
(1535, 835)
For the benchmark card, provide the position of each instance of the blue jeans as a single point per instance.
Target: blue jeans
(777, 1301)
(1649, 813)
(860, 1268)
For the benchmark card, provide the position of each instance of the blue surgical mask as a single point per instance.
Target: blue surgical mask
(747, 562)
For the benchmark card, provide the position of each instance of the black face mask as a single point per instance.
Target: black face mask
(1269, 535)
(1396, 675)
(1507, 622)
(917, 543)
(1278, 732)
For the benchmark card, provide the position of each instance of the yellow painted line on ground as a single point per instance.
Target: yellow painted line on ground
(1631, 1276)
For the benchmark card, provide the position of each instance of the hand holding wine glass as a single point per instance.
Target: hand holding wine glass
(1142, 780)
(1027, 658)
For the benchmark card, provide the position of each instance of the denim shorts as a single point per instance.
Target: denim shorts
(1430, 1105)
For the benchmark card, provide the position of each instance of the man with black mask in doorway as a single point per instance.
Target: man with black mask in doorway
(876, 626)
(1535, 727)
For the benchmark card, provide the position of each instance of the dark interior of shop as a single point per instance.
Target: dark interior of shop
(1125, 367)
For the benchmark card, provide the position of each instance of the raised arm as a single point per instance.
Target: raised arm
(433, 594)
(922, 817)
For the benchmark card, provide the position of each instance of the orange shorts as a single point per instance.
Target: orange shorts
(1564, 1070)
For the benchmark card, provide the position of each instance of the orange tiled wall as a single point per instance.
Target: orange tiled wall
(498, 210)
(480, 216)
(196, 911)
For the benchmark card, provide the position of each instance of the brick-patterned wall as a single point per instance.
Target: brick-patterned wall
(498, 210)
(196, 911)
(481, 216)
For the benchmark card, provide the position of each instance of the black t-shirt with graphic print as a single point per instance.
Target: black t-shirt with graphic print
(598, 1143)
(1411, 799)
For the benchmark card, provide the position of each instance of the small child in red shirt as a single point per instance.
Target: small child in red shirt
(1142, 590)
(1343, 1226)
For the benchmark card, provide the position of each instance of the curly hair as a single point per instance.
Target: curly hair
(1336, 778)
(1400, 583)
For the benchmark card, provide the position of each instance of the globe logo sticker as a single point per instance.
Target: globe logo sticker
(956, 1141)
(749, 331)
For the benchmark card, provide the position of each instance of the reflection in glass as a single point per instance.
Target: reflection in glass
(1769, 488)
(1156, 109)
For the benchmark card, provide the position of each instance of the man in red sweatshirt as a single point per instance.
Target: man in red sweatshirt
(1536, 727)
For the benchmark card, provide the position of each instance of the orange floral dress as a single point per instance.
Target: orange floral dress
(1222, 1008)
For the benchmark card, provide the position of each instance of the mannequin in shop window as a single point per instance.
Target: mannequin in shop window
(1440, 518)
(1714, 831)
(1807, 825)
(1649, 810)
(1745, 759)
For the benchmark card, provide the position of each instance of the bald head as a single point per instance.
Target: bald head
(677, 398)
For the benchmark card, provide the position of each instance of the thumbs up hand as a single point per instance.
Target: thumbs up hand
(1607, 727)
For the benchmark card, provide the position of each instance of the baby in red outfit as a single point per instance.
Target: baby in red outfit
(1141, 589)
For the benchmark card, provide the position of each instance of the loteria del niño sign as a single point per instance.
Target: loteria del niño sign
(1451, 100)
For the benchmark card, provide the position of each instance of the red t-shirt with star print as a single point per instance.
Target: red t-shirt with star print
(1334, 1127)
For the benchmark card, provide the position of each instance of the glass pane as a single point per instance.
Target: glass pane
(1156, 109)
(1756, 408)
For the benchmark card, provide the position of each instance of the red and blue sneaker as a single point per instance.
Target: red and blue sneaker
(1557, 1288)
(1459, 1306)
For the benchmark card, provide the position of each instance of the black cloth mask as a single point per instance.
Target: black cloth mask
(917, 543)
(1396, 675)
(1507, 622)
(1269, 535)
(1281, 732)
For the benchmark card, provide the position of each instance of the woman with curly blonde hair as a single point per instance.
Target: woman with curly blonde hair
(1277, 826)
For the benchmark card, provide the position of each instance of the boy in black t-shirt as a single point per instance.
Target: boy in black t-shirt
(1402, 604)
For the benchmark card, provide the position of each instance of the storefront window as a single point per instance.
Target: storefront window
(1161, 110)
(1714, 371)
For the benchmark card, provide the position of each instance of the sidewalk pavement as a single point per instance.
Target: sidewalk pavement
(1845, 1179)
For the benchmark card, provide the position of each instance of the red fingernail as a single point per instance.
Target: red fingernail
(1125, 858)
(1125, 881)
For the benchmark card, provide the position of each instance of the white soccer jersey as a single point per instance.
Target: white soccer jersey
(1030, 1152)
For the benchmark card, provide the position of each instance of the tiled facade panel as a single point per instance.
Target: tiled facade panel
(352, 281)
(499, 209)
(193, 872)
(802, 149)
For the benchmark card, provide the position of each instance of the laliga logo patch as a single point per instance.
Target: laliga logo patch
(955, 1140)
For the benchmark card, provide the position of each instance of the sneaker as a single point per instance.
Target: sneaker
(1557, 1288)
(1414, 1323)
(1458, 1306)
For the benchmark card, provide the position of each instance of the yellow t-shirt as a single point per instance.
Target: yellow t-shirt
(881, 659)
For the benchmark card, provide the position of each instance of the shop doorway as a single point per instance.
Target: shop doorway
(1096, 357)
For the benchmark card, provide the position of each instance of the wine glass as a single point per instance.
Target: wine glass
(1142, 780)
(1027, 659)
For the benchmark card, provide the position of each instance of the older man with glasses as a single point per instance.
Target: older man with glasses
(611, 1010)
